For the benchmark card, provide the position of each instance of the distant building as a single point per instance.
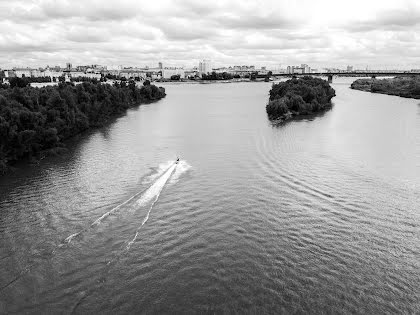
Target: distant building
(9, 74)
(36, 73)
(53, 73)
(167, 73)
(68, 66)
(298, 70)
(191, 73)
(98, 68)
(81, 68)
(114, 68)
(160, 65)
(306, 68)
(22, 72)
(79, 74)
(302, 69)
(132, 74)
(204, 66)
(349, 68)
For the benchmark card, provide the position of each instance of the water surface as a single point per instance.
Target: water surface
(319, 215)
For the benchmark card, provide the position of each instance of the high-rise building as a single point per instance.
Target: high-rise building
(68, 66)
(160, 65)
(204, 66)
(349, 68)
(306, 68)
(298, 70)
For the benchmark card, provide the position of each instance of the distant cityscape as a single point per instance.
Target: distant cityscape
(204, 67)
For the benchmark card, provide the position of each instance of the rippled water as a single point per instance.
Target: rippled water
(319, 215)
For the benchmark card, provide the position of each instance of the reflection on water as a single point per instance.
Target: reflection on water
(316, 215)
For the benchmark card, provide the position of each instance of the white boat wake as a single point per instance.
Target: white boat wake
(152, 193)
(181, 168)
(148, 197)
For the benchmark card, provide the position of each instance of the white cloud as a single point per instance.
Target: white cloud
(381, 33)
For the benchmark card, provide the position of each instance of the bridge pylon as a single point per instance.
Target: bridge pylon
(330, 78)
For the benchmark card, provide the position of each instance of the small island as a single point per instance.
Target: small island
(299, 96)
(405, 86)
(36, 121)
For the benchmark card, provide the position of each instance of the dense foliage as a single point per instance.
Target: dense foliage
(22, 82)
(218, 76)
(33, 120)
(306, 95)
(400, 86)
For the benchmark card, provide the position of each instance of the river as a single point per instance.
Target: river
(318, 215)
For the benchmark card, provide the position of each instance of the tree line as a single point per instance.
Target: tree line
(406, 86)
(299, 96)
(33, 120)
(219, 76)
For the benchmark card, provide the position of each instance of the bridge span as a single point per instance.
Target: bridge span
(330, 75)
(350, 74)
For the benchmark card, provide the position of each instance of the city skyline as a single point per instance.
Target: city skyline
(271, 34)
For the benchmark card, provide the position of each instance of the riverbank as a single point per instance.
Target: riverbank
(35, 122)
(408, 87)
(210, 81)
(297, 97)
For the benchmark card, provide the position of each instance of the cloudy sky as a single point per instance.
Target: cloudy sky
(378, 34)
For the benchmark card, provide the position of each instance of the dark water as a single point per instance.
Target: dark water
(320, 215)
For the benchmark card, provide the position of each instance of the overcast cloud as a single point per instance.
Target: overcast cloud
(381, 34)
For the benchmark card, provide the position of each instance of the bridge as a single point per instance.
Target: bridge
(330, 75)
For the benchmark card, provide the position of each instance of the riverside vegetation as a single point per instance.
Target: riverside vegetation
(299, 96)
(34, 121)
(401, 86)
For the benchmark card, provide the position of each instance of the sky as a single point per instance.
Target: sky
(379, 34)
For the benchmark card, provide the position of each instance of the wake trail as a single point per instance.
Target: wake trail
(151, 194)
(20, 275)
(99, 220)
(148, 194)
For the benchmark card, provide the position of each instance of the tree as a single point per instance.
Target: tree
(19, 82)
(38, 119)
(305, 95)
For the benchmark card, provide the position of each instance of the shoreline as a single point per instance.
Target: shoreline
(211, 81)
(296, 116)
(415, 97)
(406, 87)
(62, 147)
(49, 139)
